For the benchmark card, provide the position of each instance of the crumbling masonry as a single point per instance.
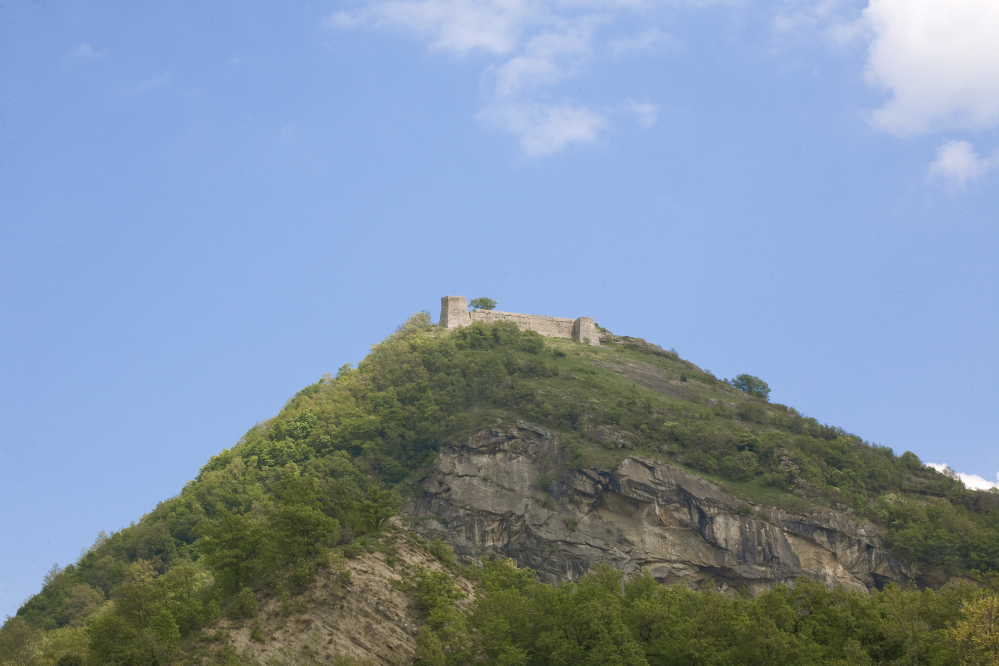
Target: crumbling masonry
(455, 314)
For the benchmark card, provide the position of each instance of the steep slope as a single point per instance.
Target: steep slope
(563, 456)
(485, 499)
(360, 614)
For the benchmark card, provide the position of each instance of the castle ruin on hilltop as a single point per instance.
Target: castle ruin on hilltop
(455, 314)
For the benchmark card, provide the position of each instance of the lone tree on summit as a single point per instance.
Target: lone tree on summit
(752, 385)
(482, 303)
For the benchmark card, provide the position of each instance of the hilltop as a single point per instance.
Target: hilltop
(394, 493)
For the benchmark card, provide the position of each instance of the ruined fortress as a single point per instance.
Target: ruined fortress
(455, 314)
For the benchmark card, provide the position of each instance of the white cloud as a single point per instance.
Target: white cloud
(533, 46)
(546, 58)
(972, 481)
(805, 17)
(544, 128)
(459, 26)
(158, 81)
(957, 163)
(939, 59)
(87, 51)
(646, 113)
(652, 39)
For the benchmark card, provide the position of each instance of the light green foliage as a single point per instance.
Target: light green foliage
(19, 642)
(444, 638)
(976, 634)
(442, 552)
(482, 303)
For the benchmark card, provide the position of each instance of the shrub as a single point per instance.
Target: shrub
(443, 553)
(246, 603)
(740, 466)
(752, 411)
(703, 461)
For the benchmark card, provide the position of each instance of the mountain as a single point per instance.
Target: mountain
(487, 495)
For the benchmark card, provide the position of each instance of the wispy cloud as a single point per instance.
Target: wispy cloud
(957, 164)
(545, 128)
(533, 45)
(86, 50)
(652, 39)
(646, 113)
(158, 81)
(547, 58)
(972, 481)
(806, 18)
(459, 26)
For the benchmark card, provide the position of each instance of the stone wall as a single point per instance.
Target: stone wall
(550, 327)
(455, 314)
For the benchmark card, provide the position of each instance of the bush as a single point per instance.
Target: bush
(752, 411)
(741, 466)
(704, 462)
(443, 553)
(246, 603)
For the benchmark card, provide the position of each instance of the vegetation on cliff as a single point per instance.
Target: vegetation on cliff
(603, 619)
(315, 484)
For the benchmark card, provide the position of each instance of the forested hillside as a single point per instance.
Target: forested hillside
(310, 490)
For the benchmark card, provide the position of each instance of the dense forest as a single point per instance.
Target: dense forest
(313, 487)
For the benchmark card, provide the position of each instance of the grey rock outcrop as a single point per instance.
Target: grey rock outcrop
(505, 493)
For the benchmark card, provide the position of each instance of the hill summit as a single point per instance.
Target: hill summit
(487, 494)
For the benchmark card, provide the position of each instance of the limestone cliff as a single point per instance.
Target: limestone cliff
(485, 497)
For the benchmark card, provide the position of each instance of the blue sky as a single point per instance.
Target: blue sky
(203, 209)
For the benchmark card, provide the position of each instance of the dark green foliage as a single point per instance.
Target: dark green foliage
(71, 660)
(754, 386)
(482, 303)
(602, 619)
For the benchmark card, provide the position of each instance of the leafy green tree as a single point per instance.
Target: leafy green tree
(444, 640)
(752, 385)
(977, 633)
(482, 303)
(18, 642)
(113, 641)
(231, 547)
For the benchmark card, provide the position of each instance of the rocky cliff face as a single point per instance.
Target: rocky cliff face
(365, 618)
(502, 493)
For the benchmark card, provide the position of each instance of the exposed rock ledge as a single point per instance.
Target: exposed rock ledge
(483, 497)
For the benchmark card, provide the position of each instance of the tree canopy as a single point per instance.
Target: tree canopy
(754, 386)
(482, 303)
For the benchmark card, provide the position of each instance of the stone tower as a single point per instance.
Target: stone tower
(454, 312)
